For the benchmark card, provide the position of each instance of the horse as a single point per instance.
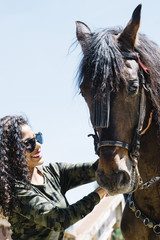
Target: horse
(119, 78)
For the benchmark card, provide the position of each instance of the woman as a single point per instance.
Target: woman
(33, 196)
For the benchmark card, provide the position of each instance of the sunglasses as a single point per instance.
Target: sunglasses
(30, 144)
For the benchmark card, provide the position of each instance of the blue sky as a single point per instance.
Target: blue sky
(38, 67)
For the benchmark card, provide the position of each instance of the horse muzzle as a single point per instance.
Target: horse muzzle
(116, 172)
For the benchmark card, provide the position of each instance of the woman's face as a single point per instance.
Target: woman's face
(35, 157)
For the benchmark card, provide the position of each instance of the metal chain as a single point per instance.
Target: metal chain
(144, 218)
(149, 183)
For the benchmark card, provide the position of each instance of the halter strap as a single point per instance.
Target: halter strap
(112, 143)
(130, 55)
(135, 56)
(134, 147)
(143, 66)
(108, 143)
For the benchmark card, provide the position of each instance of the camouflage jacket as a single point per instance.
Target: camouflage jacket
(44, 212)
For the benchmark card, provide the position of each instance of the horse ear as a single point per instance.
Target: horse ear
(83, 33)
(129, 34)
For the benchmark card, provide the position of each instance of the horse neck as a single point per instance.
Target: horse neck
(150, 153)
(149, 167)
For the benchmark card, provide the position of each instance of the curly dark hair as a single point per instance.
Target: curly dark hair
(13, 162)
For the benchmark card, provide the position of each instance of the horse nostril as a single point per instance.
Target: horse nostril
(122, 177)
(116, 171)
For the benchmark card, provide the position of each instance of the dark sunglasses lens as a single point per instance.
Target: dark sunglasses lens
(39, 137)
(30, 145)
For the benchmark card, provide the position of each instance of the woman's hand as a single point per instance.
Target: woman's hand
(101, 192)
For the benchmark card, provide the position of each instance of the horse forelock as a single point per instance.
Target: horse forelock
(102, 64)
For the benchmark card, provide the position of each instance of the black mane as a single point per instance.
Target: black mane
(103, 65)
(102, 62)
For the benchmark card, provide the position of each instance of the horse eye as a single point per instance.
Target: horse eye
(133, 87)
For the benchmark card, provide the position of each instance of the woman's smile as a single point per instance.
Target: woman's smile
(37, 154)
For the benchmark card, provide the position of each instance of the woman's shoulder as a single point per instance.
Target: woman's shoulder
(51, 169)
(55, 167)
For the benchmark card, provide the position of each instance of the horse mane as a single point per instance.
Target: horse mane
(103, 65)
(102, 62)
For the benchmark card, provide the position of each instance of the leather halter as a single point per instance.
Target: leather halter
(134, 147)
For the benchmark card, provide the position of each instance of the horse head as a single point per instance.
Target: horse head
(113, 81)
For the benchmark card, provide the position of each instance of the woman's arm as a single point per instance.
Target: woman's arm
(36, 208)
(73, 175)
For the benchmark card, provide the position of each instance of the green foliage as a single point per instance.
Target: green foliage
(117, 235)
